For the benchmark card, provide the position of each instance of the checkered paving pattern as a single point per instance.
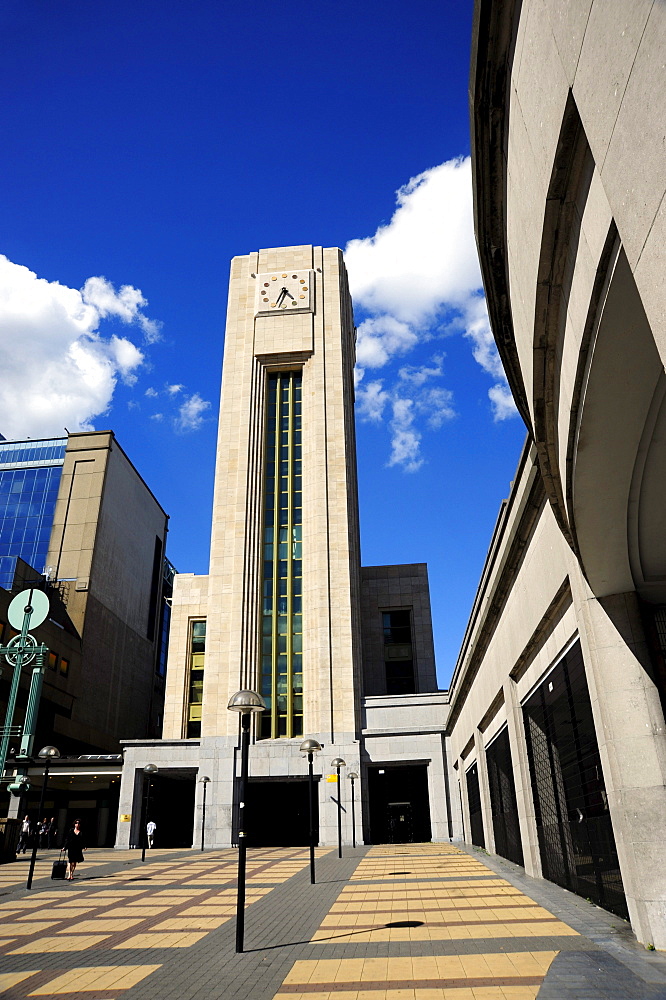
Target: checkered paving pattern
(430, 893)
(408, 922)
(155, 906)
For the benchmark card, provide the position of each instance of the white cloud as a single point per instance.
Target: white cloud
(157, 416)
(502, 402)
(150, 392)
(426, 255)
(408, 399)
(57, 369)
(371, 400)
(477, 329)
(379, 338)
(173, 390)
(418, 277)
(191, 413)
(126, 304)
(405, 439)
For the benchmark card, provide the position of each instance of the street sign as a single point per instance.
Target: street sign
(34, 599)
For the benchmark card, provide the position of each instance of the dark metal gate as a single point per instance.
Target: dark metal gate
(474, 803)
(573, 820)
(503, 803)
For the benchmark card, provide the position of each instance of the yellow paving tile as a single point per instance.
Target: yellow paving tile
(91, 979)
(74, 942)
(161, 940)
(190, 923)
(209, 910)
(19, 928)
(99, 924)
(136, 910)
(9, 979)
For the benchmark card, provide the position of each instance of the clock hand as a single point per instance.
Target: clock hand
(278, 301)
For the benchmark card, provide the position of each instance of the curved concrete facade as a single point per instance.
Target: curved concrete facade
(568, 107)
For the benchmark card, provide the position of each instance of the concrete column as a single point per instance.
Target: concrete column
(437, 799)
(484, 788)
(522, 780)
(467, 826)
(629, 722)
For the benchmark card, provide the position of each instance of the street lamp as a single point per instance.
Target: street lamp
(311, 747)
(353, 776)
(337, 763)
(203, 781)
(47, 754)
(245, 703)
(149, 770)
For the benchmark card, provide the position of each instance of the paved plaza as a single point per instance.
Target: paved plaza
(403, 922)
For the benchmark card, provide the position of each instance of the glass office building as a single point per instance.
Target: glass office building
(29, 481)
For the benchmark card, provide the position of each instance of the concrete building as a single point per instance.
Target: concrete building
(339, 654)
(76, 517)
(556, 725)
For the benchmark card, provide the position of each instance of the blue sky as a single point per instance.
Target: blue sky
(146, 144)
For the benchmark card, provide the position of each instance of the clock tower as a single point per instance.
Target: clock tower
(279, 610)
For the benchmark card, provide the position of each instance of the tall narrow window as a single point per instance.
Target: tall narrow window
(282, 628)
(398, 656)
(196, 679)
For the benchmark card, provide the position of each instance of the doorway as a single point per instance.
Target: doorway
(399, 804)
(277, 813)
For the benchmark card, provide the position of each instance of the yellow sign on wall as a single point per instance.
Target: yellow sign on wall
(331, 777)
(125, 817)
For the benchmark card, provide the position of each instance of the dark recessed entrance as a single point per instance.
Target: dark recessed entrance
(399, 804)
(278, 813)
(171, 807)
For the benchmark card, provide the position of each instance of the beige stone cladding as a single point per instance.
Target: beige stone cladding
(189, 603)
(568, 118)
(391, 588)
(107, 545)
(531, 604)
(321, 342)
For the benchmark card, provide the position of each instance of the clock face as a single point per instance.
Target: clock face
(284, 292)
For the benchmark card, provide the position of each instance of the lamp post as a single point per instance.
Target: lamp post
(353, 776)
(337, 763)
(245, 703)
(47, 754)
(149, 770)
(311, 747)
(203, 781)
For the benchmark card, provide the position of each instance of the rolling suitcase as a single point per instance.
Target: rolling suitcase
(59, 869)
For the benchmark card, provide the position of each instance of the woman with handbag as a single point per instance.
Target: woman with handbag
(75, 846)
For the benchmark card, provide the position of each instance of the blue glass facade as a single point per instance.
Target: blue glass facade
(30, 474)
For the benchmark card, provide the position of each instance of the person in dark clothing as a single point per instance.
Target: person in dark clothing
(53, 832)
(75, 846)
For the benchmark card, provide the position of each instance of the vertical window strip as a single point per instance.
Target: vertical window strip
(195, 679)
(281, 652)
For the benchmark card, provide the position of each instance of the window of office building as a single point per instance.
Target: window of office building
(571, 808)
(196, 679)
(398, 655)
(282, 622)
(503, 804)
(474, 803)
(29, 481)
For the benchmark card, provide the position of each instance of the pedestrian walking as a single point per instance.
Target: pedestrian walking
(151, 826)
(53, 832)
(75, 846)
(43, 841)
(24, 838)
